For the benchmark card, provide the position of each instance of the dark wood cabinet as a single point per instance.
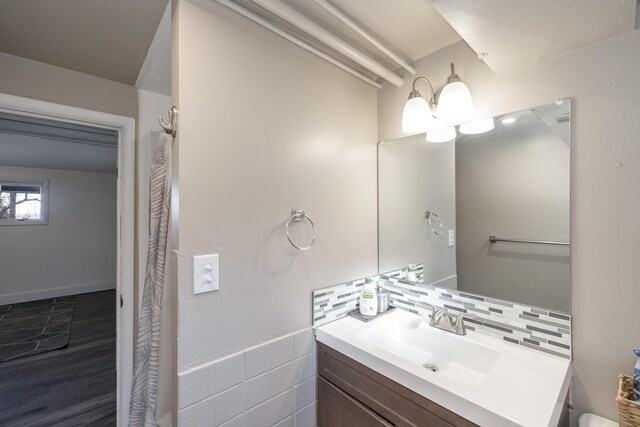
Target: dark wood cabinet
(337, 409)
(351, 394)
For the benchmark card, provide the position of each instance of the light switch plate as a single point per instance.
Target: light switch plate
(452, 238)
(205, 274)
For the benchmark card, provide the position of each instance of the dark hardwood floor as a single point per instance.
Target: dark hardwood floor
(73, 386)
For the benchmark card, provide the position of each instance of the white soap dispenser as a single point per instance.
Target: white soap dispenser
(368, 298)
(411, 273)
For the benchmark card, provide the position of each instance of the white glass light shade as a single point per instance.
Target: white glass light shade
(442, 135)
(477, 126)
(416, 116)
(455, 104)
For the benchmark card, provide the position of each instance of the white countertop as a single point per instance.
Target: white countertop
(486, 380)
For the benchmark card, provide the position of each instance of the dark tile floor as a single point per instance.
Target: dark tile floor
(70, 387)
(34, 327)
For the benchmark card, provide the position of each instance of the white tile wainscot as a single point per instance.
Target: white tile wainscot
(272, 384)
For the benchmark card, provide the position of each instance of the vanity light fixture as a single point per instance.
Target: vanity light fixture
(417, 116)
(454, 105)
(441, 135)
(477, 126)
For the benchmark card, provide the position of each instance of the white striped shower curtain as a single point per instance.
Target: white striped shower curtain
(144, 393)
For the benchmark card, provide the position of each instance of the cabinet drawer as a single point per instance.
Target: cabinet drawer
(338, 409)
(392, 401)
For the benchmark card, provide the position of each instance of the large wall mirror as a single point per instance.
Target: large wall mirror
(486, 214)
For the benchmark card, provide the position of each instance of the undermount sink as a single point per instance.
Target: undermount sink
(438, 352)
(484, 379)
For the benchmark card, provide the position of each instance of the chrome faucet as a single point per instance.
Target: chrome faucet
(441, 319)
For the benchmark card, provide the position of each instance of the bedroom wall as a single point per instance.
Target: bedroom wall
(75, 252)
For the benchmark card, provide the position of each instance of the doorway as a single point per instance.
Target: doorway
(95, 306)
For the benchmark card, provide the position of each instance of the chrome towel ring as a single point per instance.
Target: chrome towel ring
(430, 215)
(298, 215)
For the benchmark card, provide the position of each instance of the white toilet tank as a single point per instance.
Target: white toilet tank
(591, 420)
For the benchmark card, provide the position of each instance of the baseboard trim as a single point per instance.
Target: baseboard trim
(57, 292)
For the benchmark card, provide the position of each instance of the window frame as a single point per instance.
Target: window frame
(43, 183)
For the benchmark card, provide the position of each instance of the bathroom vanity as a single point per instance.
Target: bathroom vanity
(350, 394)
(399, 371)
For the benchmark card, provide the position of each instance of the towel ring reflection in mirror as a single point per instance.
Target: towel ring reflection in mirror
(298, 215)
(437, 227)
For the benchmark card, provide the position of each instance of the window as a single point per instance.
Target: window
(23, 201)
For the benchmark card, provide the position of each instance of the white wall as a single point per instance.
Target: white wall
(415, 176)
(602, 81)
(514, 185)
(75, 252)
(265, 127)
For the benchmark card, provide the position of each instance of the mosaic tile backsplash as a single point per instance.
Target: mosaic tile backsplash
(519, 324)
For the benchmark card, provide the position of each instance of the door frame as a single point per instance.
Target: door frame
(125, 126)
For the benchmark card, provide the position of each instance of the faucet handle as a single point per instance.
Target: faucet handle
(433, 308)
(459, 326)
(434, 312)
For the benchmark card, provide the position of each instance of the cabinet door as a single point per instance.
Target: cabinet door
(386, 398)
(337, 409)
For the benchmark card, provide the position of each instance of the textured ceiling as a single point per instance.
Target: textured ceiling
(421, 31)
(555, 117)
(105, 38)
(111, 38)
(43, 143)
(155, 74)
(516, 34)
(35, 152)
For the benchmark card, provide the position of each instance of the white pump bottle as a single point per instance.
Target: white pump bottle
(368, 298)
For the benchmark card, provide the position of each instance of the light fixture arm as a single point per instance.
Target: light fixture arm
(453, 77)
(414, 93)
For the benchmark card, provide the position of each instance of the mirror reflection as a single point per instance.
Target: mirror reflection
(487, 214)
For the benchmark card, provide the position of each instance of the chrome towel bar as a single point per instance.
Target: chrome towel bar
(494, 239)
